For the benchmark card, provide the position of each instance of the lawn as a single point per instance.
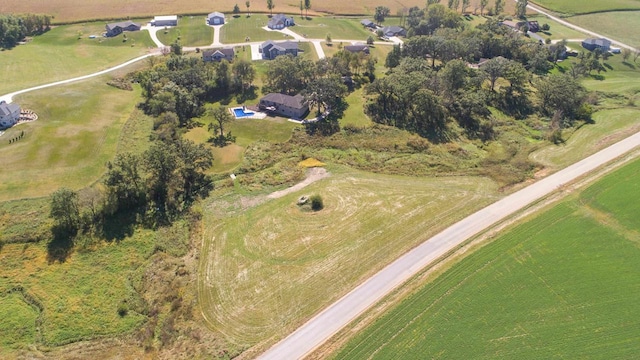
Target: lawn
(191, 31)
(590, 6)
(266, 269)
(563, 285)
(66, 52)
(237, 30)
(78, 131)
(619, 25)
(557, 31)
(339, 28)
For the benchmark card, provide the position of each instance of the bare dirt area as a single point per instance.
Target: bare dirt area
(313, 175)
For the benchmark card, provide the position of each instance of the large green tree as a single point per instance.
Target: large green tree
(521, 8)
(381, 13)
(65, 211)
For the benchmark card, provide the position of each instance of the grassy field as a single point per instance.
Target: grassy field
(60, 54)
(265, 269)
(319, 27)
(590, 6)
(557, 31)
(240, 28)
(562, 285)
(619, 25)
(191, 31)
(78, 131)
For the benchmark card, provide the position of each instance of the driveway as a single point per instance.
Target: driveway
(152, 32)
(255, 52)
(216, 35)
(333, 318)
(286, 31)
(319, 50)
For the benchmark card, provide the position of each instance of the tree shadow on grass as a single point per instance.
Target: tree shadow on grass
(120, 225)
(629, 65)
(61, 245)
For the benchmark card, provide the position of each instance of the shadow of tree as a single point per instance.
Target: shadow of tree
(61, 245)
(120, 225)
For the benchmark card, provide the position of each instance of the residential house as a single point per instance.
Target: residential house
(215, 18)
(511, 24)
(280, 21)
(270, 50)
(284, 105)
(592, 44)
(219, 54)
(358, 48)
(168, 20)
(368, 24)
(390, 31)
(533, 26)
(115, 29)
(9, 114)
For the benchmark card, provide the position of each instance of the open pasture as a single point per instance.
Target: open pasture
(266, 269)
(619, 25)
(66, 52)
(78, 131)
(191, 31)
(571, 7)
(564, 284)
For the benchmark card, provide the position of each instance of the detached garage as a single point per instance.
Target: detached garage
(215, 18)
(168, 20)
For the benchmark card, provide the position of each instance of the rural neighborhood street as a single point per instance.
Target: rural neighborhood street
(320, 328)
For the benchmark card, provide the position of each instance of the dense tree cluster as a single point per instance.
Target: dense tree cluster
(14, 28)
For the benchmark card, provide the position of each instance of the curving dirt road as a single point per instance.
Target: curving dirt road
(320, 328)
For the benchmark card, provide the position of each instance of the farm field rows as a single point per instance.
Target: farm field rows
(265, 269)
(66, 52)
(563, 284)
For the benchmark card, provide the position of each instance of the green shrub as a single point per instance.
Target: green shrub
(316, 203)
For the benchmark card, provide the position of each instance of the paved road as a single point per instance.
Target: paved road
(576, 27)
(317, 330)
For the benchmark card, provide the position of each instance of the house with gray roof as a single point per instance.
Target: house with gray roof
(368, 24)
(270, 49)
(118, 28)
(357, 48)
(280, 21)
(9, 114)
(165, 20)
(215, 18)
(390, 31)
(218, 54)
(592, 44)
(294, 107)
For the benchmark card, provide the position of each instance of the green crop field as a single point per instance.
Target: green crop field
(562, 285)
(66, 52)
(267, 268)
(78, 131)
(588, 6)
(619, 25)
(191, 31)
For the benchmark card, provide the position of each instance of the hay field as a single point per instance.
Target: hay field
(266, 269)
(588, 6)
(78, 10)
(562, 285)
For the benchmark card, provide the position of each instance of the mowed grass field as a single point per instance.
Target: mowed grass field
(79, 129)
(339, 28)
(76, 10)
(238, 29)
(588, 6)
(66, 52)
(619, 25)
(266, 269)
(563, 285)
(191, 31)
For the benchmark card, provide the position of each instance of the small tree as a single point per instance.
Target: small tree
(236, 9)
(546, 27)
(247, 4)
(221, 117)
(317, 203)
(270, 6)
(65, 211)
(301, 8)
(521, 8)
(626, 54)
(307, 6)
(498, 7)
(381, 13)
(483, 4)
(370, 40)
(328, 39)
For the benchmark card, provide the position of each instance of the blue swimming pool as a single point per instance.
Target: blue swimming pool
(240, 112)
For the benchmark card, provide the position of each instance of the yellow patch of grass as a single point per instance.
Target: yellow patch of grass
(311, 162)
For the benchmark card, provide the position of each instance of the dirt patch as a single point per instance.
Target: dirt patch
(313, 175)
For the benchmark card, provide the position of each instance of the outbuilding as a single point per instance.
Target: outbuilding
(166, 20)
(592, 44)
(215, 18)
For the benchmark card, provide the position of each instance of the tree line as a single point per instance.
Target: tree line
(14, 28)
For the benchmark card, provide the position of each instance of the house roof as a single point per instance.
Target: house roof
(280, 17)
(357, 48)
(166, 17)
(8, 109)
(122, 24)
(282, 46)
(216, 14)
(296, 102)
(366, 22)
(392, 29)
(598, 42)
(224, 51)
